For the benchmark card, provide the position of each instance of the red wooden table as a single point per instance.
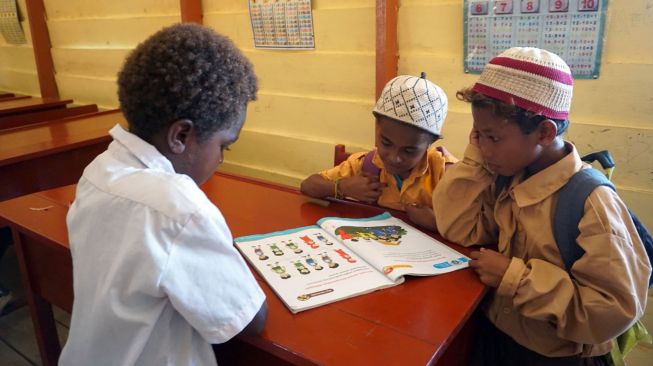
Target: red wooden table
(11, 106)
(45, 115)
(48, 155)
(424, 321)
(5, 96)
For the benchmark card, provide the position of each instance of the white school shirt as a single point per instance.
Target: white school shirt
(156, 277)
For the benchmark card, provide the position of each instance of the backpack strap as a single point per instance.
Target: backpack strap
(569, 210)
(368, 164)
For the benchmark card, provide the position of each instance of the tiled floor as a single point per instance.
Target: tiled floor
(18, 345)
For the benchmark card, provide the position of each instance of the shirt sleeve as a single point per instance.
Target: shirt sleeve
(208, 282)
(462, 202)
(610, 281)
(348, 168)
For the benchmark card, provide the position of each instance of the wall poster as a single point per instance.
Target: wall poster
(282, 24)
(573, 29)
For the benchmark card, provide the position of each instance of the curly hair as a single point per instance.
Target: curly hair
(185, 71)
(526, 120)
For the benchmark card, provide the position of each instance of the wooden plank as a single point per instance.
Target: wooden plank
(17, 335)
(191, 11)
(31, 105)
(386, 42)
(42, 46)
(25, 119)
(13, 97)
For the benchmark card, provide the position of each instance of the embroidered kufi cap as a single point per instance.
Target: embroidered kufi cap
(531, 78)
(414, 100)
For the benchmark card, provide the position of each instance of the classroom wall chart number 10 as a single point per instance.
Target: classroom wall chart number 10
(573, 29)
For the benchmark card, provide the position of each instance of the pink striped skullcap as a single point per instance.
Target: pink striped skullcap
(531, 78)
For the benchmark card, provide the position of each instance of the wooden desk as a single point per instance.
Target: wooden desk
(4, 97)
(421, 322)
(39, 157)
(29, 118)
(23, 105)
(10, 97)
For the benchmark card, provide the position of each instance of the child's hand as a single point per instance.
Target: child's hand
(443, 150)
(490, 266)
(473, 137)
(421, 215)
(362, 187)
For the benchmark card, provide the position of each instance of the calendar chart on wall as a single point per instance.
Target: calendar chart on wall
(573, 29)
(282, 24)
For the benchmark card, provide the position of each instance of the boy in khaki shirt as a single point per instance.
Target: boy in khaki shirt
(537, 313)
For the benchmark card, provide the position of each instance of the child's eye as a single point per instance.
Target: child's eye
(490, 137)
(386, 143)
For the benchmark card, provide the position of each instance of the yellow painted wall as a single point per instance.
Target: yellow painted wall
(17, 66)
(614, 112)
(90, 39)
(309, 100)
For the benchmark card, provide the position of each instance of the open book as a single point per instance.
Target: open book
(340, 258)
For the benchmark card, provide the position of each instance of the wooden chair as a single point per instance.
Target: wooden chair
(339, 154)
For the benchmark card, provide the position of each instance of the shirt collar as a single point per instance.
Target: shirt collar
(141, 150)
(547, 181)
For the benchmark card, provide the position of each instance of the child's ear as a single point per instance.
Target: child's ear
(178, 135)
(548, 131)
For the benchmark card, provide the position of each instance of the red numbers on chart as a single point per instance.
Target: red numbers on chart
(588, 5)
(530, 6)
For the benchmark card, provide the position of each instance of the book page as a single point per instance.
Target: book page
(307, 268)
(393, 247)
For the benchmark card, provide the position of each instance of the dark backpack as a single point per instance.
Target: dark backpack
(570, 209)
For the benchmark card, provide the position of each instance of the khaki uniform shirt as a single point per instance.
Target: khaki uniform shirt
(537, 303)
(417, 188)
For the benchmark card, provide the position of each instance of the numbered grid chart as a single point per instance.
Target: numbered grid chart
(572, 29)
(282, 24)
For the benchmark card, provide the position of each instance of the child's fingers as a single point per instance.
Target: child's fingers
(375, 186)
(370, 176)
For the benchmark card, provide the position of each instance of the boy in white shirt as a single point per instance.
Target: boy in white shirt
(156, 277)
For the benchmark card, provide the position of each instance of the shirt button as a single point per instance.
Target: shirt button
(506, 310)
